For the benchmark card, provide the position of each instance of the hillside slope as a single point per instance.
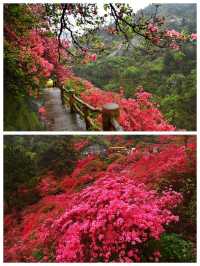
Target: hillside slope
(169, 74)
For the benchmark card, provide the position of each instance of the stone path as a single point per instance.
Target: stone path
(59, 117)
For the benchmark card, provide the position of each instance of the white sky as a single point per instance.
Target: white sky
(136, 5)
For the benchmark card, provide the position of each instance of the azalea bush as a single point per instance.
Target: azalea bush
(36, 49)
(140, 113)
(30, 56)
(111, 226)
(135, 205)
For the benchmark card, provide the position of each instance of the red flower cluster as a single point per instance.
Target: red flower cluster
(48, 184)
(111, 219)
(38, 50)
(157, 163)
(152, 28)
(139, 114)
(106, 215)
(82, 164)
(40, 53)
(28, 232)
(80, 145)
(193, 36)
(166, 37)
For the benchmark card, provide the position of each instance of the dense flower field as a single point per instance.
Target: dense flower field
(115, 207)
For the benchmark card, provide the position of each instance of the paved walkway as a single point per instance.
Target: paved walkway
(59, 117)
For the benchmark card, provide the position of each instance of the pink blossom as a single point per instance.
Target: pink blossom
(193, 36)
(152, 28)
(173, 33)
(175, 46)
(93, 57)
(42, 110)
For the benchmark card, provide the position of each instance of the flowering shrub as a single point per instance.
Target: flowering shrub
(111, 220)
(80, 145)
(47, 185)
(110, 209)
(82, 163)
(135, 114)
(39, 54)
(168, 164)
(26, 239)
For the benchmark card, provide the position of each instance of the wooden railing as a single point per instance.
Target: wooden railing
(110, 112)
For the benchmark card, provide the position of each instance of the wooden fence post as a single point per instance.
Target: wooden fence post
(62, 95)
(109, 111)
(71, 100)
(86, 113)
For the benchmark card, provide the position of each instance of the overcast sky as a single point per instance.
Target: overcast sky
(136, 5)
